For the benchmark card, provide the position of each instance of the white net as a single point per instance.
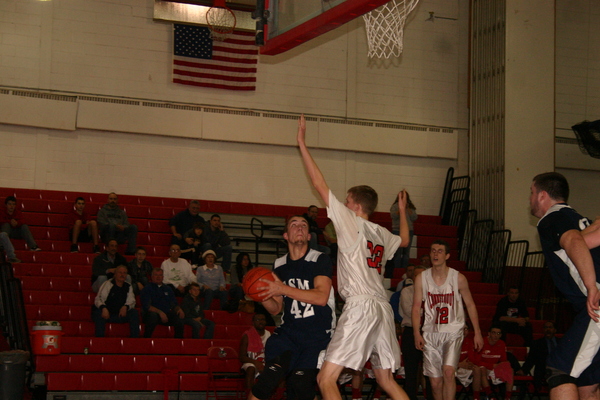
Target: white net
(385, 28)
(221, 22)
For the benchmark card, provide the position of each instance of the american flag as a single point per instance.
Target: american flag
(200, 61)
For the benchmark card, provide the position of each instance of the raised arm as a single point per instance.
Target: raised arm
(404, 232)
(465, 292)
(311, 167)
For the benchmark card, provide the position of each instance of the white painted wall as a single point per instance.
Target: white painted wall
(578, 97)
(114, 48)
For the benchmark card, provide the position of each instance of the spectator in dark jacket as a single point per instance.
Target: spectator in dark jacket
(184, 221)
(219, 241)
(12, 223)
(513, 317)
(114, 224)
(194, 315)
(105, 264)
(140, 270)
(160, 306)
(115, 303)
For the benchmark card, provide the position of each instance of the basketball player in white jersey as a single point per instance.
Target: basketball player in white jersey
(441, 291)
(365, 330)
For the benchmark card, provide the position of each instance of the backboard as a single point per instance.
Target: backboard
(293, 22)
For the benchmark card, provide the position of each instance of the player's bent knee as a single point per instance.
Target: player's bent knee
(556, 377)
(301, 384)
(268, 381)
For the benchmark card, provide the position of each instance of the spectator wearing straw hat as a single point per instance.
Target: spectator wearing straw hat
(212, 280)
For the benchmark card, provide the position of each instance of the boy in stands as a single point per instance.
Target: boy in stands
(81, 227)
(366, 328)
(442, 290)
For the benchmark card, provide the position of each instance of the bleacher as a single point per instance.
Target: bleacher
(56, 286)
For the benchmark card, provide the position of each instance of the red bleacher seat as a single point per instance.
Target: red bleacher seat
(134, 211)
(161, 212)
(158, 226)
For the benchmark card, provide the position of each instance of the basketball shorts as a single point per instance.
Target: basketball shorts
(365, 331)
(305, 350)
(441, 349)
(464, 376)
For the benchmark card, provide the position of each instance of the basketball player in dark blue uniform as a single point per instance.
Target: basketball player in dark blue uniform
(574, 367)
(303, 290)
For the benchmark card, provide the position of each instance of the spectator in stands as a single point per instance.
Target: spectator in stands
(218, 241)
(315, 231)
(194, 244)
(114, 224)
(252, 349)
(402, 255)
(81, 227)
(140, 270)
(177, 271)
(194, 314)
(513, 317)
(425, 261)
(412, 356)
(184, 221)
(211, 280)
(13, 224)
(493, 364)
(6, 244)
(105, 264)
(536, 358)
(159, 306)
(242, 265)
(331, 239)
(115, 303)
(467, 372)
(410, 274)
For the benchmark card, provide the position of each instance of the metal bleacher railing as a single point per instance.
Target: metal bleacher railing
(489, 250)
(13, 322)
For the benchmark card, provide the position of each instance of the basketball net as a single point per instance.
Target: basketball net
(385, 28)
(220, 20)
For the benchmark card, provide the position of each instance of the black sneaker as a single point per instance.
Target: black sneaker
(96, 249)
(35, 249)
(14, 260)
(74, 248)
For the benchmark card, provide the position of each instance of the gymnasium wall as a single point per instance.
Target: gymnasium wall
(577, 97)
(102, 56)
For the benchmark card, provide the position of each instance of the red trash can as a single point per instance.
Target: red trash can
(46, 339)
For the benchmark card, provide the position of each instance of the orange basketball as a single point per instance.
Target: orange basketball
(251, 282)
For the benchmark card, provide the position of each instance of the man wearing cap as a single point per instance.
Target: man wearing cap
(212, 280)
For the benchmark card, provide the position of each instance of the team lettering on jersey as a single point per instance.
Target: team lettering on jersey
(442, 312)
(300, 309)
(374, 261)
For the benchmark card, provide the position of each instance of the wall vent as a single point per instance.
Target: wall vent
(399, 126)
(4, 91)
(109, 100)
(346, 122)
(47, 96)
(283, 116)
(172, 106)
(564, 140)
(232, 112)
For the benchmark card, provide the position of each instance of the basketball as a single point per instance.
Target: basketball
(251, 282)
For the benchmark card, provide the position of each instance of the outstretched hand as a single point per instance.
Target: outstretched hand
(301, 130)
(402, 200)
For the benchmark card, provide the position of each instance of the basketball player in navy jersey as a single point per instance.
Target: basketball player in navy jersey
(366, 329)
(573, 368)
(441, 291)
(303, 290)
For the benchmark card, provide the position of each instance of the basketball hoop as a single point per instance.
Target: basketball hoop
(220, 20)
(385, 28)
